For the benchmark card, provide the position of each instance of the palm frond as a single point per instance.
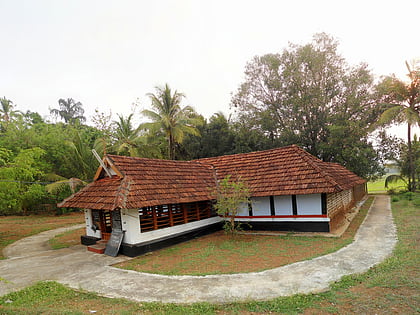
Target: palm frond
(393, 179)
(390, 115)
(73, 183)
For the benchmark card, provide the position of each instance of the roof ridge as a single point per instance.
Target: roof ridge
(122, 193)
(110, 156)
(309, 159)
(246, 153)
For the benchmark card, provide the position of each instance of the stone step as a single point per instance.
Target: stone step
(97, 248)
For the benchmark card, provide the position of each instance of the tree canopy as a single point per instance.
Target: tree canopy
(69, 110)
(308, 95)
(169, 119)
(401, 101)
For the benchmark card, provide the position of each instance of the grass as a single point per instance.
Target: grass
(218, 253)
(378, 186)
(13, 228)
(391, 287)
(66, 239)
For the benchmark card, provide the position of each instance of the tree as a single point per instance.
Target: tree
(402, 101)
(231, 196)
(81, 158)
(308, 95)
(17, 174)
(216, 139)
(7, 112)
(130, 142)
(103, 123)
(169, 118)
(69, 110)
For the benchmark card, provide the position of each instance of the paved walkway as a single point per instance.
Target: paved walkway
(81, 269)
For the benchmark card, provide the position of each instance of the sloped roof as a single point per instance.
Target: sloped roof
(284, 171)
(147, 182)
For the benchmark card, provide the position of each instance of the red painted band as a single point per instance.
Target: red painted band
(280, 216)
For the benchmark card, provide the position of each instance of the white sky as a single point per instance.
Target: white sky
(108, 54)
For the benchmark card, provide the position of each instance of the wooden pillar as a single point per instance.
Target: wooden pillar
(272, 208)
(294, 205)
(324, 203)
(155, 227)
(171, 216)
(209, 208)
(184, 212)
(197, 210)
(250, 209)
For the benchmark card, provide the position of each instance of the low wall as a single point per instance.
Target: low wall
(341, 203)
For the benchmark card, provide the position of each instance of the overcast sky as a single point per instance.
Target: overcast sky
(109, 54)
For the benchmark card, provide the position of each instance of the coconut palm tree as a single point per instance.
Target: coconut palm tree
(403, 106)
(81, 157)
(130, 141)
(70, 111)
(7, 112)
(169, 118)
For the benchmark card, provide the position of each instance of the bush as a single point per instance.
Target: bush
(408, 195)
(416, 201)
(395, 199)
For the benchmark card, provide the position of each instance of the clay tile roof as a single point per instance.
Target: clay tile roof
(148, 182)
(284, 171)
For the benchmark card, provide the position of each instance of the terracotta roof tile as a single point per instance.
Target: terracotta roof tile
(149, 182)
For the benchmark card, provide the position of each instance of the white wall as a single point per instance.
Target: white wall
(283, 205)
(138, 237)
(88, 220)
(309, 204)
(130, 221)
(243, 209)
(260, 206)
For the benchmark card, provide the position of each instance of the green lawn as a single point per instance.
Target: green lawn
(378, 186)
(391, 287)
(218, 253)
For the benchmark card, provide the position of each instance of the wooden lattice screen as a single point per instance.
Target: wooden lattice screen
(161, 216)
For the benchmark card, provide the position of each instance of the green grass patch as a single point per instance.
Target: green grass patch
(66, 239)
(220, 253)
(378, 186)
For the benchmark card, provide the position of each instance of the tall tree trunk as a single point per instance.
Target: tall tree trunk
(411, 171)
(171, 147)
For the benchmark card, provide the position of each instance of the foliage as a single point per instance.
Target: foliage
(403, 161)
(216, 139)
(69, 110)
(130, 141)
(81, 158)
(402, 103)
(7, 113)
(308, 95)
(231, 196)
(17, 194)
(169, 119)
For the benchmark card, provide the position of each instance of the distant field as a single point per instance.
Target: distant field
(378, 186)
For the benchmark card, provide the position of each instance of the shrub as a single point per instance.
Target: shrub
(395, 199)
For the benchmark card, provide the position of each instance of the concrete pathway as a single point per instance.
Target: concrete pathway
(81, 269)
